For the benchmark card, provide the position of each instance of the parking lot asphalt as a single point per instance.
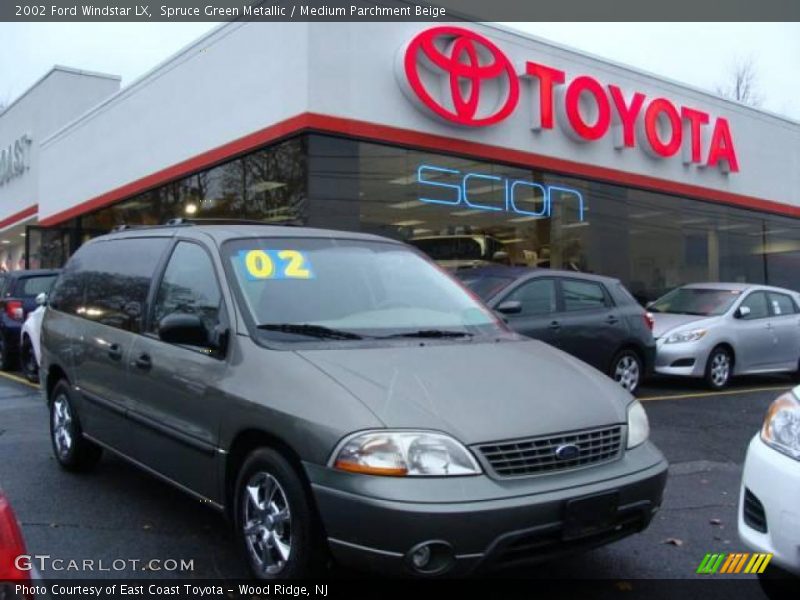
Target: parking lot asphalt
(117, 512)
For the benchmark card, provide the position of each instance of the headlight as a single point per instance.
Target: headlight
(781, 429)
(638, 425)
(404, 453)
(686, 336)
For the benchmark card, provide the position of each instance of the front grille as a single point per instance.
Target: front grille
(538, 455)
(753, 512)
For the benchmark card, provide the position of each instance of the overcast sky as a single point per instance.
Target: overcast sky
(700, 54)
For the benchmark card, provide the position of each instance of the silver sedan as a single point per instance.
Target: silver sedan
(717, 330)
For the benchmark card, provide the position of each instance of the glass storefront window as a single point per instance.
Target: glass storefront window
(467, 213)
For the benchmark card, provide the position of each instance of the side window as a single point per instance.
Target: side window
(582, 295)
(115, 278)
(757, 303)
(189, 285)
(537, 296)
(781, 304)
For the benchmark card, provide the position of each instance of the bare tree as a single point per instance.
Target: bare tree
(742, 84)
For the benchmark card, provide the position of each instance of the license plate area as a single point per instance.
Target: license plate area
(589, 515)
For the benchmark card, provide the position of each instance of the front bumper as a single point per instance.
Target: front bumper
(682, 360)
(774, 480)
(375, 522)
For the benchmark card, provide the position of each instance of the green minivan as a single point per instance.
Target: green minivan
(339, 397)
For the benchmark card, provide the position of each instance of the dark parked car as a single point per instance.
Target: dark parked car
(18, 291)
(593, 318)
(338, 392)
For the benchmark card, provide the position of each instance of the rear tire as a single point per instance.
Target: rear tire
(275, 523)
(626, 370)
(30, 368)
(72, 451)
(719, 368)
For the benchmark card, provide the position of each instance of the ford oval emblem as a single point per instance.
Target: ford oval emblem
(567, 452)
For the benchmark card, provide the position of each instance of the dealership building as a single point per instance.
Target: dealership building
(473, 142)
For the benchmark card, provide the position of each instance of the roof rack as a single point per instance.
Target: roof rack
(213, 221)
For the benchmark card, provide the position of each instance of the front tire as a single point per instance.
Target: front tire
(73, 452)
(719, 368)
(274, 519)
(626, 370)
(30, 367)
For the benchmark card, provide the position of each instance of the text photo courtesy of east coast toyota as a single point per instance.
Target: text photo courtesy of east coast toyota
(293, 306)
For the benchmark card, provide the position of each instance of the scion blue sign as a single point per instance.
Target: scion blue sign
(520, 196)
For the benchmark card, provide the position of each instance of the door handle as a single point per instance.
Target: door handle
(555, 325)
(144, 362)
(115, 352)
(611, 320)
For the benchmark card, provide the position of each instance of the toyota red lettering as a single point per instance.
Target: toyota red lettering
(465, 79)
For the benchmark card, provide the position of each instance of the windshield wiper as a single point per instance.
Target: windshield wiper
(431, 333)
(317, 331)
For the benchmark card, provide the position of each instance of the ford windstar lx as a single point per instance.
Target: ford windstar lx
(338, 395)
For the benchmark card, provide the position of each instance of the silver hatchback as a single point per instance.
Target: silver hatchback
(717, 330)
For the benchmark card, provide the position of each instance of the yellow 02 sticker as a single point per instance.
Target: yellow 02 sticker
(261, 264)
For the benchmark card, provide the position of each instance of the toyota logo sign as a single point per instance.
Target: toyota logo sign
(461, 76)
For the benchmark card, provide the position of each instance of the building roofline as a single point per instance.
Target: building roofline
(159, 69)
(62, 69)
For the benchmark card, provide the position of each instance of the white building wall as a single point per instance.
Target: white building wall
(238, 80)
(245, 77)
(62, 95)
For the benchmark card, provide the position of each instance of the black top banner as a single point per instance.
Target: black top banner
(399, 10)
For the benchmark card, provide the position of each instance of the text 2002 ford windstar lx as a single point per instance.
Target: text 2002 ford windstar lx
(338, 394)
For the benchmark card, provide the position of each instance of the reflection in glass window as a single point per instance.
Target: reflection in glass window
(582, 295)
(781, 304)
(757, 303)
(114, 279)
(700, 302)
(189, 285)
(537, 297)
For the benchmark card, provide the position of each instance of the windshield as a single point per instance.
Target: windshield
(304, 288)
(450, 248)
(695, 301)
(485, 287)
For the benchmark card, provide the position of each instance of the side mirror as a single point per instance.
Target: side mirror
(742, 312)
(183, 328)
(41, 298)
(509, 307)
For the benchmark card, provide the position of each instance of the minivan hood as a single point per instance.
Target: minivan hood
(477, 392)
(665, 322)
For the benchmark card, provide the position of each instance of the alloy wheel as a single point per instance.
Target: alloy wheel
(267, 523)
(62, 425)
(720, 369)
(627, 372)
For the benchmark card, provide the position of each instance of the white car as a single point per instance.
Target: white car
(30, 335)
(769, 501)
